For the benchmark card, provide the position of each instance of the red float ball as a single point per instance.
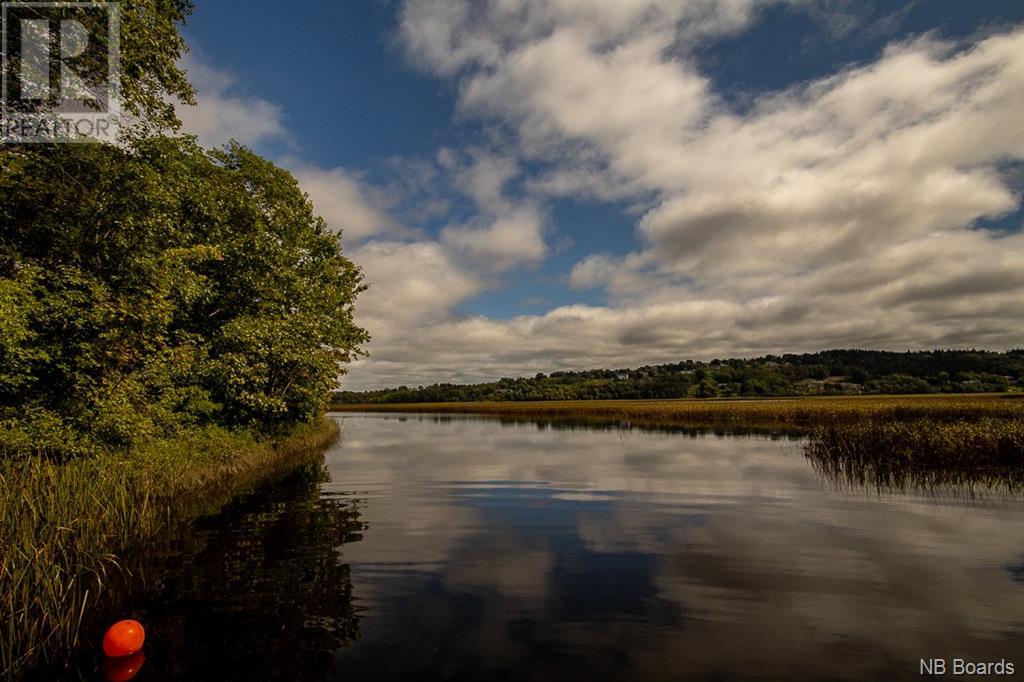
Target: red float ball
(124, 638)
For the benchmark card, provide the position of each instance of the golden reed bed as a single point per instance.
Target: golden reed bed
(793, 412)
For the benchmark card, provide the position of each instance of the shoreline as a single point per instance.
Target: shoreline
(887, 442)
(786, 412)
(65, 525)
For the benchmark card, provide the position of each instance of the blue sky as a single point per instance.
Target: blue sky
(561, 185)
(351, 98)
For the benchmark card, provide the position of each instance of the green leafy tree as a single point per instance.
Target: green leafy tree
(155, 286)
(707, 388)
(150, 51)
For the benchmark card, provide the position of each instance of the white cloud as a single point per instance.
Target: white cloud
(411, 283)
(872, 157)
(451, 37)
(346, 203)
(513, 238)
(221, 114)
(627, 100)
(505, 232)
(840, 212)
(413, 286)
(481, 176)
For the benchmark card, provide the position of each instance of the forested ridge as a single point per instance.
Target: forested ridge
(830, 372)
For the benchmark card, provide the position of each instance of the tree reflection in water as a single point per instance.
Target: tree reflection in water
(552, 550)
(256, 592)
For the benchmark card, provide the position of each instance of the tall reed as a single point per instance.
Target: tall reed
(921, 453)
(62, 526)
(795, 412)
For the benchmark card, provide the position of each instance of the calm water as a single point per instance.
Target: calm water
(462, 548)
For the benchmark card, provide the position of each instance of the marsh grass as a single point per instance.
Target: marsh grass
(882, 442)
(802, 413)
(921, 453)
(63, 525)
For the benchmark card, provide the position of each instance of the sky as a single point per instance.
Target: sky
(566, 184)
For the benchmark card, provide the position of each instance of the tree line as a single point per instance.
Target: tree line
(831, 372)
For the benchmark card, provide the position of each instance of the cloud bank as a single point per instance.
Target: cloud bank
(847, 211)
(866, 208)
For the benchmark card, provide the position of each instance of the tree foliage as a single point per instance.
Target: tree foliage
(153, 286)
(150, 51)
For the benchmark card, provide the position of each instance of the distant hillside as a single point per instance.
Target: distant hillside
(831, 372)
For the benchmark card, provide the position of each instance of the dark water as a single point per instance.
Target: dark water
(460, 548)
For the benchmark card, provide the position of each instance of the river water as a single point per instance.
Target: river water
(431, 547)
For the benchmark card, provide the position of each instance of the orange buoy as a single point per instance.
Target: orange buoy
(123, 668)
(124, 638)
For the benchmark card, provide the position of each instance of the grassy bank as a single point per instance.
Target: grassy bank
(922, 453)
(63, 525)
(772, 412)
